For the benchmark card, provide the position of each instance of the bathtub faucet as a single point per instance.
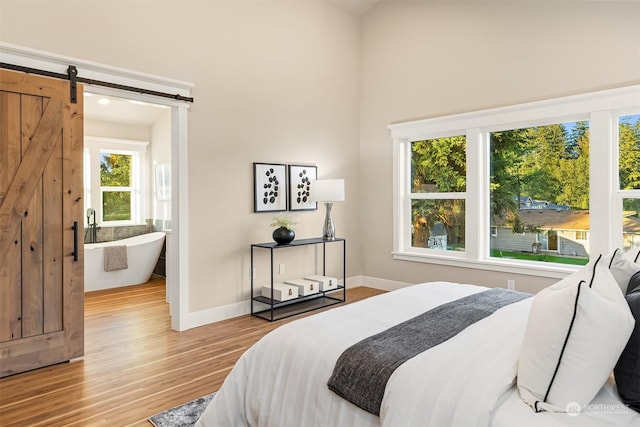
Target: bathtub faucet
(93, 226)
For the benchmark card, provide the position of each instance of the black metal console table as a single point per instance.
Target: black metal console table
(281, 309)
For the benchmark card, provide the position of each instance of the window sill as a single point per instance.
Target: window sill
(539, 269)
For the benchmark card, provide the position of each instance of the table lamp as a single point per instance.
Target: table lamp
(328, 191)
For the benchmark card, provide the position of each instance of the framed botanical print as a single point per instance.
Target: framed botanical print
(301, 179)
(269, 187)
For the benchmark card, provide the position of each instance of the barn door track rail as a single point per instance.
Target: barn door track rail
(74, 79)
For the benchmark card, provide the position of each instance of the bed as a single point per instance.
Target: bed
(467, 380)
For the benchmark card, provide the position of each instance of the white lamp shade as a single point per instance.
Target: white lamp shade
(328, 190)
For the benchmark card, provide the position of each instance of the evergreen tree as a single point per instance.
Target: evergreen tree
(629, 148)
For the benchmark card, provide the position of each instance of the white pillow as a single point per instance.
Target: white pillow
(633, 255)
(622, 269)
(576, 332)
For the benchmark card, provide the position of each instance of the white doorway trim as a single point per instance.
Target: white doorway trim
(177, 239)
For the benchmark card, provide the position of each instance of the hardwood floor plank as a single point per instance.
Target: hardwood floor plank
(135, 365)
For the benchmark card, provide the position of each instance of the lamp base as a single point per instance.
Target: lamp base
(329, 229)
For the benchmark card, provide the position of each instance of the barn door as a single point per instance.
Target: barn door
(41, 266)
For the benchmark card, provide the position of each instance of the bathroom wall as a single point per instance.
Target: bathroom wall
(108, 234)
(104, 129)
(160, 160)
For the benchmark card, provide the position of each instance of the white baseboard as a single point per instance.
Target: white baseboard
(374, 282)
(216, 314)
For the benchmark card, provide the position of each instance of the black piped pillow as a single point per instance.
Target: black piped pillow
(627, 370)
(622, 268)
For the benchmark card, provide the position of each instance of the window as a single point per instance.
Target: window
(113, 180)
(438, 182)
(629, 178)
(526, 188)
(581, 235)
(116, 186)
(539, 186)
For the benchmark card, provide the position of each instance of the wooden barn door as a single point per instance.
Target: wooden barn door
(41, 266)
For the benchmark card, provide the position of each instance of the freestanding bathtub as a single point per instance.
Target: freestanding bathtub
(142, 255)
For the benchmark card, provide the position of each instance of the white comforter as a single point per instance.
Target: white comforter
(281, 380)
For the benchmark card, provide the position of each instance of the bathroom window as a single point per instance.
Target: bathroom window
(116, 186)
(115, 183)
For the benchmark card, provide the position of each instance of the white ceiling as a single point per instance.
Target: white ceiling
(120, 110)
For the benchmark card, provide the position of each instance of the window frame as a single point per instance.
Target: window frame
(94, 147)
(601, 109)
(454, 195)
(621, 194)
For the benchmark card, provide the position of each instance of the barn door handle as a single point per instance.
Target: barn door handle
(75, 241)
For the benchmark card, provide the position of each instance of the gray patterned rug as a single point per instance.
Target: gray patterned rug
(184, 415)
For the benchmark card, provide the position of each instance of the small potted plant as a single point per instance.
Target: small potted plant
(285, 233)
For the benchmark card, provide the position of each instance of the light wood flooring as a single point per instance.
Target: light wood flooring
(134, 365)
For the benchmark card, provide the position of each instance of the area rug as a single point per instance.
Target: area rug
(184, 415)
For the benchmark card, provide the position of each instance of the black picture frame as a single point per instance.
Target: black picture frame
(269, 187)
(300, 192)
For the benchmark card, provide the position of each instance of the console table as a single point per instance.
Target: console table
(277, 310)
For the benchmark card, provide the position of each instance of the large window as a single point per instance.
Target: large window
(533, 188)
(114, 184)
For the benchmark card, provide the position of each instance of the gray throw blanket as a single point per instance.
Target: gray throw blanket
(363, 370)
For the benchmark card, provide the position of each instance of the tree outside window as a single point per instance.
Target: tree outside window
(438, 185)
(116, 186)
(539, 186)
(629, 175)
(531, 188)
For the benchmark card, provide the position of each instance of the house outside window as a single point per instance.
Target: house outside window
(538, 180)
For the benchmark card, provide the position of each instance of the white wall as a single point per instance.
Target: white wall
(426, 59)
(275, 81)
(104, 129)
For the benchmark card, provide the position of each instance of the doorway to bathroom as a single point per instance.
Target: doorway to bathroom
(127, 190)
(135, 87)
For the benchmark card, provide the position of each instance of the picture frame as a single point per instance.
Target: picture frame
(301, 178)
(269, 187)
